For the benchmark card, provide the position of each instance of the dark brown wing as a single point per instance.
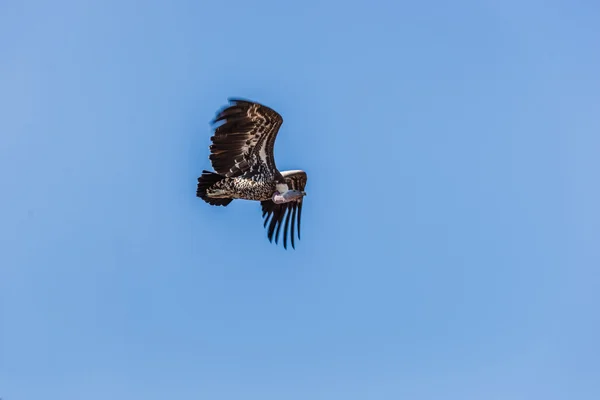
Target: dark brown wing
(277, 215)
(246, 138)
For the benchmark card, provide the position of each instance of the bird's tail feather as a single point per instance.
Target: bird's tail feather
(205, 181)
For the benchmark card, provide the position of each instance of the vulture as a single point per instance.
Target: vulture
(242, 156)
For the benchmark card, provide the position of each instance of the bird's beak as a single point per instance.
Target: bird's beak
(303, 193)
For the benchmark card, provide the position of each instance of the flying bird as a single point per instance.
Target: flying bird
(242, 156)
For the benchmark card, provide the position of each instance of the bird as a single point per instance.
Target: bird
(242, 156)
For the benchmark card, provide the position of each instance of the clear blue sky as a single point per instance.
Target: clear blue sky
(450, 234)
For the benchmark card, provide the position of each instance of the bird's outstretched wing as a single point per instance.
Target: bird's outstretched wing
(246, 138)
(275, 214)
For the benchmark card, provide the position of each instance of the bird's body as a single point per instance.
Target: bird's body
(242, 188)
(242, 156)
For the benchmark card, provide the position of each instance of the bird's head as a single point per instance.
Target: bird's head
(287, 196)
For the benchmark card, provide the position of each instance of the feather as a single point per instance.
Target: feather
(247, 127)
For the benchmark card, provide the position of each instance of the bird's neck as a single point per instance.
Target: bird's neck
(279, 198)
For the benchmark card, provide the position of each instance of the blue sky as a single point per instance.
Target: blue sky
(450, 233)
